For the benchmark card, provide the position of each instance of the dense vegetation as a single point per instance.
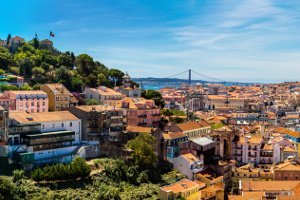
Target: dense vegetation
(76, 169)
(137, 177)
(41, 66)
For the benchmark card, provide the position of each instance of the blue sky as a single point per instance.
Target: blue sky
(249, 40)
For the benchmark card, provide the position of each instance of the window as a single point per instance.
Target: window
(57, 98)
(66, 98)
(32, 103)
(62, 124)
(52, 125)
(71, 124)
(43, 126)
(44, 103)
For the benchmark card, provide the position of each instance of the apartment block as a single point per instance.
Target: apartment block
(59, 97)
(29, 101)
(100, 120)
(104, 95)
(141, 112)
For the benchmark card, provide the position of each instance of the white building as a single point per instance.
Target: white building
(48, 136)
(103, 94)
(188, 165)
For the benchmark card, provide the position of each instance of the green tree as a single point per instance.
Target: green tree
(8, 39)
(143, 154)
(2, 72)
(154, 95)
(117, 75)
(64, 76)
(38, 74)
(167, 112)
(26, 66)
(5, 59)
(107, 192)
(92, 102)
(18, 176)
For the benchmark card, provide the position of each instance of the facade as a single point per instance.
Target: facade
(192, 129)
(171, 143)
(100, 120)
(289, 170)
(3, 130)
(15, 43)
(188, 165)
(215, 102)
(60, 98)
(252, 149)
(45, 137)
(128, 89)
(46, 44)
(28, 101)
(272, 189)
(141, 112)
(104, 95)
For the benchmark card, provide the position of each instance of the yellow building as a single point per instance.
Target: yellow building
(60, 98)
(184, 188)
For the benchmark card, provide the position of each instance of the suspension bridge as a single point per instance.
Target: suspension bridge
(190, 72)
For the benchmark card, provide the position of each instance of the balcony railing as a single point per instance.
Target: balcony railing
(142, 115)
(252, 148)
(266, 155)
(156, 114)
(251, 155)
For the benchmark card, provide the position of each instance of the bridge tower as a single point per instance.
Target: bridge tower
(190, 76)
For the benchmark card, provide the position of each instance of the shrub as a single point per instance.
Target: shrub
(77, 168)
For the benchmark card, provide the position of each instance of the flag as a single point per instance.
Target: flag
(51, 34)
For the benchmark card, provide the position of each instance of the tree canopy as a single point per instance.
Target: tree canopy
(41, 66)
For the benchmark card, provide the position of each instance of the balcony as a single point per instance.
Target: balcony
(252, 156)
(142, 123)
(266, 155)
(142, 115)
(116, 117)
(116, 124)
(252, 148)
(50, 137)
(156, 115)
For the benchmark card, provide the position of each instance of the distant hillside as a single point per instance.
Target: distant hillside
(39, 63)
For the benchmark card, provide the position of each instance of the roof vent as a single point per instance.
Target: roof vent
(29, 118)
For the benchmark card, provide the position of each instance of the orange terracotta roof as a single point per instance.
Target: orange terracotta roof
(254, 139)
(172, 135)
(250, 185)
(192, 125)
(23, 117)
(190, 158)
(180, 186)
(139, 129)
(288, 132)
(287, 166)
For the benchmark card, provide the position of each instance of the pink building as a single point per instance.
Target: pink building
(28, 101)
(7, 103)
(141, 112)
